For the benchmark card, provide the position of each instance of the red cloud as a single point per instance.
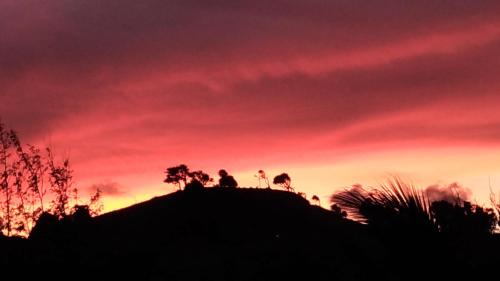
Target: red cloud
(129, 86)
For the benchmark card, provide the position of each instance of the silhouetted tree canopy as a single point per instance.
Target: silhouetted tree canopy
(261, 175)
(463, 219)
(177, 175)
(181, 175)
(81, 213)
(226, 180)
(201, 177)
(194, 185)
(315, 198)
(284, 181)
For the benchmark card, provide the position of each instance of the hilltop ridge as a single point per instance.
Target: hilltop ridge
(221, 234)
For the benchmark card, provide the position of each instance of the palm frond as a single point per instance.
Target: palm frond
(394, 202)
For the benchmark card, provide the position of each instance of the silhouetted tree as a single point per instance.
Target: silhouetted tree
(226, 180)
(181, 175)
(80, 214)
(30, 182)
(284, 181)
(201, 177)
(6, 175)
(315, 198)
(95, 205)
(464, 218)
(177, 175)
(261, 176)
(24, 171)
(61, 180)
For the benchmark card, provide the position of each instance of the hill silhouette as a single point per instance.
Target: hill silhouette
(224, 234)
(211, 234)
(239, 234)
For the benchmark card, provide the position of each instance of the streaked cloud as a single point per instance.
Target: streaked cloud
(128, 87)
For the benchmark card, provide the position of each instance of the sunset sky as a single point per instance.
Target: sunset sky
(333, 92)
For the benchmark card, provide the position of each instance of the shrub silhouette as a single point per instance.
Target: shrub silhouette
(463, 219)
(46, 226)
(81, 214)
(194, 185)
(316, 199)
(338, 212)
(226, 180)
(68, 229)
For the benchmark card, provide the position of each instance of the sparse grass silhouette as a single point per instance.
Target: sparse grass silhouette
(495, 204)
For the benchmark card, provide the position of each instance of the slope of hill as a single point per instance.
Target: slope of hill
(217, 234)
(237, 234)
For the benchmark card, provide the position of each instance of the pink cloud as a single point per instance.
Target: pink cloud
(130, 87)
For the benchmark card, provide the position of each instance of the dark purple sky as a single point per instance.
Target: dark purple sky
(127, 88)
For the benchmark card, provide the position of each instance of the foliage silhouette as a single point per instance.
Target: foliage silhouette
(194, 186)
(284, 181)
(316, 199)
(338, 212)
(445, 235)
(261, 176)
(46, 226)
(177, 175)
(302, 194)
(61, 185)
(396, 205)
(243, 234)
(226, 180)
(401, 206)
(463, 219)
(200, 177)
(181, 176)
(27, 177)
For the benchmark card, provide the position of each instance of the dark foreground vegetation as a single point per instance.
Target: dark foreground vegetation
(241, 234)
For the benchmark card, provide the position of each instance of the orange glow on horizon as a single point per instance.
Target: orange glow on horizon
(422, 167)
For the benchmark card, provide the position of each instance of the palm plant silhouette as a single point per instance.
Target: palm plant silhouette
(394, 205)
